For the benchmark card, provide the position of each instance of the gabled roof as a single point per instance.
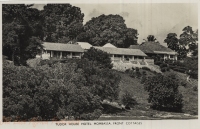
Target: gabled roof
(122, 51)
(62, 47)
(109, 45)
(84, 45)
(153, 47)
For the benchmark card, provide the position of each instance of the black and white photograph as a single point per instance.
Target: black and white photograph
(100, 62)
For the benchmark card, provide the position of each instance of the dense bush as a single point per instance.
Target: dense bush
(137, 69)
(163, 70)
(102, 58)
(184, 83)
(128, 100)
(188, 64)
(103, 82)
(195, 88)
(146, 68)
(192, 65)
(194, 74)
(163, 65)
(163, 93)
(158, 63)
(64, 89)
(127, 71)
(135, 74)
(143, 79)
(144, 73)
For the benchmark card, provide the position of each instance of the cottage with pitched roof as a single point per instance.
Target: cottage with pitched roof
(154, 49)
(122, 54)
(61, 50)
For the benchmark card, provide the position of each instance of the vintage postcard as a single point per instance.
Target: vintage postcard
(99, 64)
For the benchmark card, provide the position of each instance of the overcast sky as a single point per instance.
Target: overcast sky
(157, 19)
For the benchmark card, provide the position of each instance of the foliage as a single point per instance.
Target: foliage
(195, 88)
(128, 100)
(184, 67)
(191, 68)
(54, 92)
(61, 22)
(172, 41)
(100, 57)
(137, 69)
(151, 38)
(146, 68)
(163, 93)
(21, 32)
(189, 38)
(188, 42)
(108, 29)
(103, 82)
(143, 79)
(163, 70)
(184, 83)
(134, 73)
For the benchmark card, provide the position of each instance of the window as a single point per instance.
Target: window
(118, 55)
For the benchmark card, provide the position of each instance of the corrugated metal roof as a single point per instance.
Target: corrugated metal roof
(62, 47)
(122, 51)
(84, 45)
(152, 47)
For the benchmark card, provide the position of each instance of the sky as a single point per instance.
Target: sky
(156, 19)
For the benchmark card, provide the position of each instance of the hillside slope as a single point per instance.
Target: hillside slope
(143, 110)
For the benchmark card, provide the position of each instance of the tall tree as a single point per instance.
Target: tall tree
(61, 22)
(20, 24)
(172, 41)
(151, 38)
(131, 37)
(188, 40)
(108, 29)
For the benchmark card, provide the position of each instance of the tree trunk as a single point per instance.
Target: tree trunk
(13, 56)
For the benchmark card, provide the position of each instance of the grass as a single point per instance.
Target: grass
(142, 111)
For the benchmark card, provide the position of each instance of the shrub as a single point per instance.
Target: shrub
(143, 79)
(102, 58)
(163, 70)
(137, 69)
(163, 93)
(167, 68)
(195, 88)
(103, 82)
(184, 83)
(127, 71)
(172, 67)
(64, 89)
(163, 65)
(128, 100)
(138, 74)
(144, 73)
(146, 68)
(194, 74)
(158, 63)
(132, 74)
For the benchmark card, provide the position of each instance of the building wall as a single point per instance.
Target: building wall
(125, 57)
(163, 56)
(60, 55)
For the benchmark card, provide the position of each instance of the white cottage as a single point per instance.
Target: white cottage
(60, 51)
